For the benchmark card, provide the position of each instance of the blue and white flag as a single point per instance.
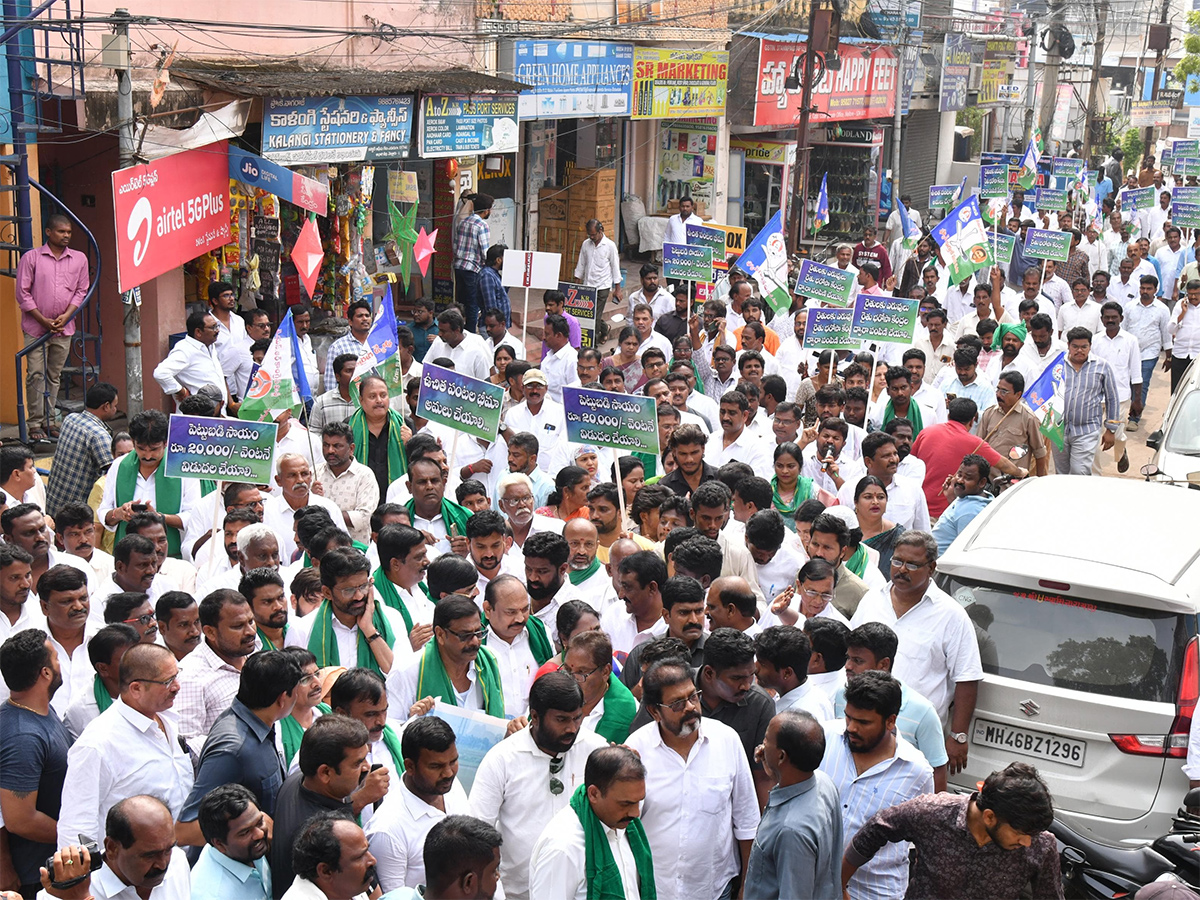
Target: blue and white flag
(821, 216)
(963, 240)
(908, 229)
(1045, 398)
(765, 260)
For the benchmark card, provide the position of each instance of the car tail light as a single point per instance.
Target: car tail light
(1172, 745)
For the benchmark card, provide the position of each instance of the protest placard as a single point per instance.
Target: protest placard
(1004, 247)
(993, 181)
(825, 284)
(1042, 243)
(682, 262)
(475, 733)
(941, 196)
(828, 329)
(882, 317)
(1185, 193)
(712, 238)
(735, 242)
(1050, 200)
(1188, 167)
(1185, 215)
(580, 301)
(460, 402)
(1137, 198)
(606, 419)
(1066, 166)
(219, 449)
(1185, 147)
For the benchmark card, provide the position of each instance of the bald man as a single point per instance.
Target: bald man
(585, 570)
(731, 604)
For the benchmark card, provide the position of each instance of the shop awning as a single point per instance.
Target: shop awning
(296, 81)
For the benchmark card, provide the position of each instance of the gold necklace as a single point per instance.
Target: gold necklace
(23, 706)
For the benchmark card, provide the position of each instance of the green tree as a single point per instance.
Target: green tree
(1132, 144)
(1187, 70)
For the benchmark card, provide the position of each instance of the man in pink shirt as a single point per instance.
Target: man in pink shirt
(51, 283)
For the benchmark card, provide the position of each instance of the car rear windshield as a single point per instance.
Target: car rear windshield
(1074, 643)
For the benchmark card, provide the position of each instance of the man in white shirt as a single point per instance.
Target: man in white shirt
(698, 782)
(1041, 347)
(1096, 251)
(906, 503)
(231, 345)
(131, 748)
(510, 636)
(428, 792)
(599, 263)
(781, 657)
(134, 871)
(1082, 310)
(1154, 218)
(498, 334)
(564, 866)
(1171, 260)
(1185, 334)
(193, 362)
(541, 417)
(652, 293)
(1120, 350)
(332, 860)
(467, 350)
(558, 364)
(295, 480)
(1147, 318)
(302, 322)
(532, 774)
(892, 229)
(676, 232)
(735, 440)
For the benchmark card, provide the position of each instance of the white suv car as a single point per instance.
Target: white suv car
(1085, 594)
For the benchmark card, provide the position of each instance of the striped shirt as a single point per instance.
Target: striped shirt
(1089, 397)
(347, 343)
(904, 776)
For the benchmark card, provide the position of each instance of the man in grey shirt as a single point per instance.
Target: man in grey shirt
(798, 849)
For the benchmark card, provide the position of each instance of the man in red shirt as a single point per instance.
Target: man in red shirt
(870, 250)
(942, 448)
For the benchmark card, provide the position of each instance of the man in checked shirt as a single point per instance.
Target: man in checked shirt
(472, 237)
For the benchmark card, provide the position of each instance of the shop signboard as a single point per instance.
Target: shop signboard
(573, 79)
(170, 211)
(1042, 243)
(884, 318)
(669, 84)
(912, 62)
(402, 187)
(606, 419)
(1185, 215)
(255, 171)
(1150, 113)
(468, 125)
(581, 302)
(825, 284)
(956, 73)
(460, 402)
(775, 153)
(219, 449)
(998, 56)
(682, 262)
(735, 242)
(1137, 198)
(336, 129)
(828, 329)
(864, 87)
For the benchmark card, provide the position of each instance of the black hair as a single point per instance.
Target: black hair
(569, 614)
(425, 733)
(711, 495)
(106, 641)
(736, 398)
(311, 521)
(356, 683)
(257, 578)
(148, 428)
(816, 569)
(1019, 797)
(567, 477)
(60, 578)
(961, 409)
(129, 545)
(603, 491)
(168, 603)
(317, 844)
(726, 648)
(981, 465)
(455, 847)
(9, 517)
(681, 589)
(555, 690)
(330, 537)
(610, 764)
(1015, 380)
(871, 480)
(648, 498)
(341, 563)
(810, 510)
(733, 472)
(802, 738)
(396, 542)
(876, 692)
(766, 529)
(547, 545)
(211, 606)
(486, 522)
(447, 575)
(828, 523)
(453, 607)
(22, 657)
(756, 490)
(326, 741)
(784, 647)
(828, 637)
(697, 555)
(662, 674)
(73, 515)
(221, 806)
(647, 566)
(119, 606)
(13, 458)
(266, 675)
(776, 387)
(877, 638)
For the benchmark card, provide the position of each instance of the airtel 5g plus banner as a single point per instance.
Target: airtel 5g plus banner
(169, 212)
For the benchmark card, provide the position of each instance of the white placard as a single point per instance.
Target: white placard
(529, 269)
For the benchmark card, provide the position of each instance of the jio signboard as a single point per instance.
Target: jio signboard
(170, 211)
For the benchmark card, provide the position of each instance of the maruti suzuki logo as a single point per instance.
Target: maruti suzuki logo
(1030, 708)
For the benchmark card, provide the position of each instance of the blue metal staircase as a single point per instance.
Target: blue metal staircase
(44, 55)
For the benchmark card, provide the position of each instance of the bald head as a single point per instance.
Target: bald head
(582, 540)
(731, 603)
(797, 743)
(143, 661)
(578, 529)
(616, 553)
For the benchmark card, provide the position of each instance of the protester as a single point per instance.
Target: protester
(233, 864)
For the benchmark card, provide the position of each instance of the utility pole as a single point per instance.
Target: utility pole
(1159, 38)
(898, 118)
(1094, 90)
(798, 214)
(131, 300)
(1050, 73)
(1029, 79)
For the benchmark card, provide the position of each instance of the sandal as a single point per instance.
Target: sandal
(53, 431)
(36, 436)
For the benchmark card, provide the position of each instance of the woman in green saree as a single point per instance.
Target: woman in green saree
(788, 487)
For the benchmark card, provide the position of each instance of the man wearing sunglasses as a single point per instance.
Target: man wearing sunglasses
(938, 655)
(698, 781)
(131, 748)
(524, 780)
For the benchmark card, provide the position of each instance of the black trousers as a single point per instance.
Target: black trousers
(1178, 367)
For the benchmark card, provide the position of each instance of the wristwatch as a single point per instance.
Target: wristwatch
(379, 634)
(959, 736)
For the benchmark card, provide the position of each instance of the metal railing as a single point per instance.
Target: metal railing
(80, 342)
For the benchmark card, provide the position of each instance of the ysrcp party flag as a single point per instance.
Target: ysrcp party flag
(274, 387)
(765, 260)
(1027, 173)
(964, 241)
(912, 234)
(821, 217)
(1045, 398)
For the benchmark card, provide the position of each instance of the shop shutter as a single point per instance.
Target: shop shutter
(918, 156)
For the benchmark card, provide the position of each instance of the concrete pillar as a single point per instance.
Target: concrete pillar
(945, 155)
(163, 313)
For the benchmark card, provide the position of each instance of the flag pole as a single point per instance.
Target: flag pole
(525, 317)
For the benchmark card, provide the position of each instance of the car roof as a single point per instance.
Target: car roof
(1073, 517)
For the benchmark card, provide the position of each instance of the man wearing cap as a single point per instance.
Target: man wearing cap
(538, 415)
(470, 245)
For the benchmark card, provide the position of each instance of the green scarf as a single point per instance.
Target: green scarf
(207, 486)
(391, 740)
(584, 574)
(389, 595)
(600, 869)
(914, 415)
(857, 563)
(539, 638)
(454, 517)
(167, 492)
(804, 489)
(267, 643)
(323, 644)
(434, 681)
(103, 698)
(619, 710)
(291, 733)
(397, 465)
(649, 463)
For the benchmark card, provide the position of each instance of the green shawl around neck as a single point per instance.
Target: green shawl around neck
(600, 868)
(397, 464)
(914, 415)
(391, 596)
(620, 708)
(291, 733)
(103, 699)
(167, 498)
(539, 638)
(324, 647)
(434, 681)
(584, 574)
(454, 517)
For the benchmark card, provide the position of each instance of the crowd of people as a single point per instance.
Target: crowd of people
(724, 670)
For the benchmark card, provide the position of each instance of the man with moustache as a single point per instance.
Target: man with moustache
(75, 534)
(403, 562)
(347, 482)
(295, 479)
(62, 592)
(832, 466)
(135, 565)
(173, 574)
(585, 570)
(24, 526)
(698, 781)
(546, 576)
(683, 611)
(518, 640)
(604, 512)
(257, 547)
(512, 791)
(233, 864)
(133, 608)
(105, 650)
(263, 590)
(488, 547)
(332, 860)
(427, 792)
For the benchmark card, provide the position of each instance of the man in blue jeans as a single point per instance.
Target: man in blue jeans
(1146, 318)
(470, 245)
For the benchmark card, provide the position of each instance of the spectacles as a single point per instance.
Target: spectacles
(518, 501)
(170, 681)
(465, 636)
(556, 766)
(349, 593)
(581, 677)
(911, 566)
(813, 595)
(141, 620)
(309, 678)
(684, 703)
